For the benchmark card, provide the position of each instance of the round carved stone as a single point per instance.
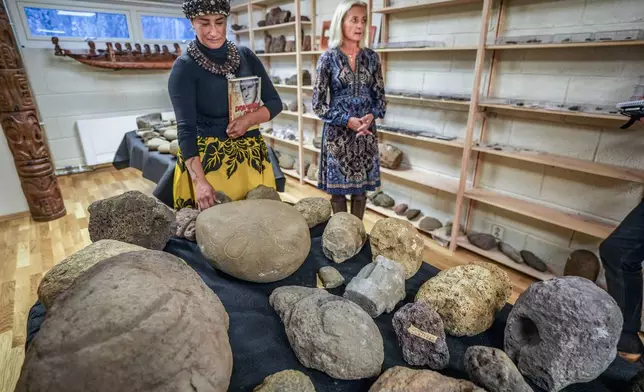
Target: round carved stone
(62, 275)
(398, 240)
(141, 321)
(582, 263)
(254, 240)
(563, 331)
(343, 237)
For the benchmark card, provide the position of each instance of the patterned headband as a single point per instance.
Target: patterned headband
(195, 8)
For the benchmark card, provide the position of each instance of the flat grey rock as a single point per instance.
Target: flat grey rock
(511, 252)
(383, 200)
(286, 161)
(533, 261)
(412, 214)
(421, 335)
(315, 210)
(482, 240)
(343, 237)
(429, 224)
(330, 277)
(563, 331)
(263, 192)
(494, 370)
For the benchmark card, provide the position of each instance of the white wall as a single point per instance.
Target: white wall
(12, 200)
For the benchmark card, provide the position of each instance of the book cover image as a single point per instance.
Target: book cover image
(244, 97)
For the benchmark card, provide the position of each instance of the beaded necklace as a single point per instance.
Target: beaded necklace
(226, 69)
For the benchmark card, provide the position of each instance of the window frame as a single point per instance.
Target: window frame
(105, 8)
(140, 13)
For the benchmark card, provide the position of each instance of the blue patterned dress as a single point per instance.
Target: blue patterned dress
(348, 163)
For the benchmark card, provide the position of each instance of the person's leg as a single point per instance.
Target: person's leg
(622, 254)
(338, 203)
(358, 205)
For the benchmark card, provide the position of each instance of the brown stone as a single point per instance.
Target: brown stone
(343, 237)
(263, 192)
(306, 43)
(401, 209)
(482, 240)
(268, 40)
(429, 224)
(286, 381)
(289, 47)
(390, 156)
(398, 240)
(315, 210)
(402, 379)
(582, 263)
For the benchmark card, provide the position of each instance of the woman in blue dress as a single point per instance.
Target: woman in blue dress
(351, 75)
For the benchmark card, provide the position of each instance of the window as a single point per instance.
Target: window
(166, 28)
(49, 22)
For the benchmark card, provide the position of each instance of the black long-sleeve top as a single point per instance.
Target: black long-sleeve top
(200, 98)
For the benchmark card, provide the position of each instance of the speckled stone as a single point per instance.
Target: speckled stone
(263, 192)
(429, 224)
(494, 370)
(402, 379)
(533, 261)
(421, 335)
(343, 237)
(511, 252)
(316, 210)
(583, 263)
(398, 240)
(286, 381)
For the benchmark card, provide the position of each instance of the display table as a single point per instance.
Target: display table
(159, 168)
(260, 346)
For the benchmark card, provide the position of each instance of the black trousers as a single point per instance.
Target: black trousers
(622, 254)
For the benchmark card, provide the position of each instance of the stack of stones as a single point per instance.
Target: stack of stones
(158, 135)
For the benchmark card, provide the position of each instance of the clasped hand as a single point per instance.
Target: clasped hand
(237, 128)
(361, 125)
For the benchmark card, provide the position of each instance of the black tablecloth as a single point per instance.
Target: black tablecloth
(260, 346)
(159, 168)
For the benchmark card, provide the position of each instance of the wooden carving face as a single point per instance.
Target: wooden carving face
(44, 197)
(9, 57)
(26, 142)
(16, 95)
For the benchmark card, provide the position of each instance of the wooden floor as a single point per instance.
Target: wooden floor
(29, 249)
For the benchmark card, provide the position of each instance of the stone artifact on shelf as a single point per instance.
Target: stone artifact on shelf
(401, 209)
(389, 156)
(404, 379)
(306, 44)
(186, 220)
(286, 381)
(148, 121)
(174, 147)
(262, 191)
(315, 210)
(132, 217)
(306, 78)
(429, 224)
(289, 47)
(62, 275)
(398, 240)
(381, 199)
(563, 331)
(582, 263)
(421, 335)
(467, 297)
(637, 382)
(237, 27)
(268, 41)
(343, 237)
(312, 173)
(292, 106)
(284, 105)
(533, 261)
(317, 142)
(278, 44)
(412, 214)
(330, 277)
(122, 323)
(276, 80)
(511, 252)
(261, 23)
(409, 44)
(482, 240)
(329, 333)
(286, 161)
(277, 16)
(303, 18)
(240, 239)
(494, 370)
(378, 287)
(297, 166)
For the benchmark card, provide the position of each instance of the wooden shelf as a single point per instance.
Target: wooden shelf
(500, 258)
(569, 113)
(425, 178)
(313, 52)
(266, 3)
(294, 114)
(429, 49)
(565, 45)
(311, 147)
(239, 8)
(414, 99)
(269, 136)
(293, 173)
(282, 54)
(581, 165)
(273, 27)
(569, 220)
(423, 5)
(451, 143)
(286, 86)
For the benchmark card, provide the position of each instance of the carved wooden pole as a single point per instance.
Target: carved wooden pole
(19, 120)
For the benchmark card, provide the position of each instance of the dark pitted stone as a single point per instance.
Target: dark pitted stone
(331, 277)
(286, 381)
(429, 224)
(421, 335)
(511, 252)
(132, 217)
(533, 261)
(400, 209)
(402, 379)
(343, 237)
(494, 370)
(482, 240)
(329, 333)
(263, 192)
(122, 325)
(316, 210)
(563, 331)
(582, 263)
(378, 287)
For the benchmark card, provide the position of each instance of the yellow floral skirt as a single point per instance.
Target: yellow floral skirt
(232, 166)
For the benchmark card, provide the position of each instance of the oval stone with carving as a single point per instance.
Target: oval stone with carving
(254, 240)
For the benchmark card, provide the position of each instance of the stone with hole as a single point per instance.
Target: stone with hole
(286, 161)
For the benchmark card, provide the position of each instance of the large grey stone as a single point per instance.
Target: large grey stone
(343, 237)
(330, 277)
(263, 192)
(389, 156)
(186, 223)
(62, 275)
(255, 240)
(378, 287)
(467, 297)
(138, 321)
(132, 217)
(398, 240)
(383, 200)
(563, 331)
(494, 370)
(533, 261)
(582, 263)
(286, 381)
(421, 335)
(329, 333)
(482, 240)
(429, 224)
(402, 379)
(316, 210)
(148, 121)
(286, 161)
(511, 252)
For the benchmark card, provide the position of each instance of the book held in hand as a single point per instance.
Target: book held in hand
(244, 97)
